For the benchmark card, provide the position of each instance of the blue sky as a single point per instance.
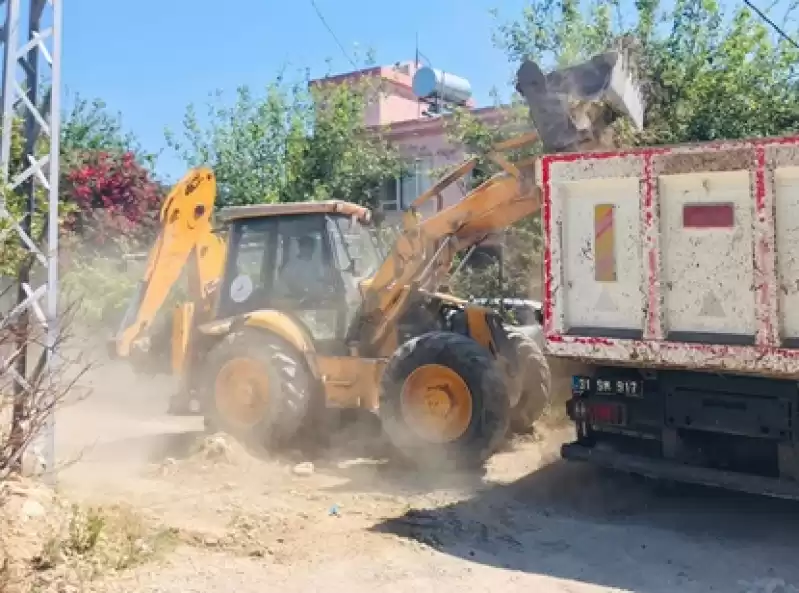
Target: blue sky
(148, 59)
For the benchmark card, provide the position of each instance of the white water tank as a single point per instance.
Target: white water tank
(429, 83)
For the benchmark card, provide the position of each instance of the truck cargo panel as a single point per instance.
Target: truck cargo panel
(675, 257)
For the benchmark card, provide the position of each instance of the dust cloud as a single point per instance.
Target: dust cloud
(344, 516)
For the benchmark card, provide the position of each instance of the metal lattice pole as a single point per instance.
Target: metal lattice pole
(31, 91)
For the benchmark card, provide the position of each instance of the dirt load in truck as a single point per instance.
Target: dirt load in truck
(672, 273)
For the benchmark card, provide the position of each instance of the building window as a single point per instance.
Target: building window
(388, 198)
(399, 193)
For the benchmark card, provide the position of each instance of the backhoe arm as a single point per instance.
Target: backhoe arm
(185, 234)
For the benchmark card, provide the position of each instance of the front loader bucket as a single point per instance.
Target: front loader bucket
(571, 106)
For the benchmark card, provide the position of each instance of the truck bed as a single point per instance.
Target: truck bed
(675, 257)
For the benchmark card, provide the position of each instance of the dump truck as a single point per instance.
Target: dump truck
(296, 309)
(672, 283)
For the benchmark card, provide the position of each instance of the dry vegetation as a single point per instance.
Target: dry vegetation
(47, 543)
(30, 396)
(50, 544)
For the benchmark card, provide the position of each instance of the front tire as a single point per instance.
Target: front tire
(258, 389)
(443, 401)
(529, 384)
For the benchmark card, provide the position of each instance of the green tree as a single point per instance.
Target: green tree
(515, 276)
(94, 194)
(89, 126)
(294, 142)
(109, 203)
(106, 183)
(707, 74)
(12, 253)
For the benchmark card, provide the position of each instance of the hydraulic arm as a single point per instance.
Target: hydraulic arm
(185, 235)
(571, 109)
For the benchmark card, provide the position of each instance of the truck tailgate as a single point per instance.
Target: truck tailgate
(675, 257)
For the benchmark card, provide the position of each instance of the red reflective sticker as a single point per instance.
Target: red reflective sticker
(708, 216)
(602, 413)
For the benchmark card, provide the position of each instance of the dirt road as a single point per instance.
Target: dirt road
(532, 523)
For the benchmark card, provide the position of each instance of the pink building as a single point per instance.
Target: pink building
(420, 137)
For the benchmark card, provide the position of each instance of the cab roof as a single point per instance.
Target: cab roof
(232, 213)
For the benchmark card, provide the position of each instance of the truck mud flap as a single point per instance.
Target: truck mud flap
(667, 470)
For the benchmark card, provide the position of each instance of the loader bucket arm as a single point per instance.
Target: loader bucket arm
(185, 234)
(424, 250)
(570, 108)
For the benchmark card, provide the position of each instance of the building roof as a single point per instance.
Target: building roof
(399, 77)
(427, 126)
(232, 213)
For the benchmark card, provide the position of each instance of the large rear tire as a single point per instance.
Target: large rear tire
(443, 401)
(258, 389)
(529, 383)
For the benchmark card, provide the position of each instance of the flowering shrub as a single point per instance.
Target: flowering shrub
(113, 197)
(111, 206)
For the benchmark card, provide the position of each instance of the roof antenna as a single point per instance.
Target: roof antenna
(415, 70)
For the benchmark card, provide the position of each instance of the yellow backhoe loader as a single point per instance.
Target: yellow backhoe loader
(298, 309)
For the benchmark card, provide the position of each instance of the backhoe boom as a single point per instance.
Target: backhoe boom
(186, 234)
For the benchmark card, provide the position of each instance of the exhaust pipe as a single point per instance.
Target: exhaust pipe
(571, 107)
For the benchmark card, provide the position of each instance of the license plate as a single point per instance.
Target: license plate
(625, 387)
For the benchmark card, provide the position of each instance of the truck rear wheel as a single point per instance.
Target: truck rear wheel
(259, 389)
(443, 401)
(529, 384)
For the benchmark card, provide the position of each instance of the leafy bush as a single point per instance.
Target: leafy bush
(297, 141)
(114, 198)
(99, 286)
(517, 276)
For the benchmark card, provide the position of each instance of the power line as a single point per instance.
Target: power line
(375, 89)
(324, 22)
(772, 24)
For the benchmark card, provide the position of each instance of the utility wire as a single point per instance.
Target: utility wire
(376, 89)
(327, 26)
(772, 24)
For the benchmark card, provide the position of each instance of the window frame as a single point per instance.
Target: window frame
(226, 306)
(421, 179)
(272, 261)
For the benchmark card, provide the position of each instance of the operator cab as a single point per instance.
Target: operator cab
(305, 259)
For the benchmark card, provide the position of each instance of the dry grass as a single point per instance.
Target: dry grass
(47, 544)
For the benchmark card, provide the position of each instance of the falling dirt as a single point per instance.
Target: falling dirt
(351, 521)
